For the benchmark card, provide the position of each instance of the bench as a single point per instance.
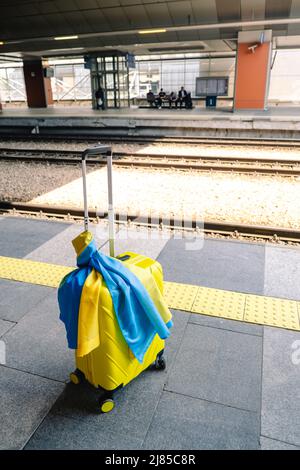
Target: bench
(165, 104)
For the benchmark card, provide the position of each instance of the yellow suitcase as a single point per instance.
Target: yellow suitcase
(112, 365)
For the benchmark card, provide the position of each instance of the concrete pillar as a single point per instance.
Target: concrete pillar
(38, 87)
(253, 67)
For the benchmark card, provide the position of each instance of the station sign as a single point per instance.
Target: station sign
(212, 86)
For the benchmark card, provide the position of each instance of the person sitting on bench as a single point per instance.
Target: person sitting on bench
(172, 98)
(161, 97)
(151, 98)
(188, 101)
(182, 94)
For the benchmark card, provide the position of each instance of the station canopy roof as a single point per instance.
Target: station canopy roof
(67, 27)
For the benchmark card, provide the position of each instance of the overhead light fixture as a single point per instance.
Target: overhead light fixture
(65, 38)
(67, 49)
(152, 31)
(1, 43)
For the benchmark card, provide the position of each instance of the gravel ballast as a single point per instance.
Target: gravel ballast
(258, 200)
(25, 181)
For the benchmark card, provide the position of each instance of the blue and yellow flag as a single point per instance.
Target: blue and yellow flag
(140, 314)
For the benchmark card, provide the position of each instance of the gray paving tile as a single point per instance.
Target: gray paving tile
(59, 250)
(17, 298)
(220, 366)
(132, 414)
(282, 272)
(37, 344)
(224, 324)
(59, 432)
(135, 403)
(281, 385)
(220, 264)
(5, 326)
(180, 320)
(271, 444)
(25, 401)
(139, 240)
(21, 236)
(182, 422)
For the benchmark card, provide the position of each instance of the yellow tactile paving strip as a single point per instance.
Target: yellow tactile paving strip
(271, 311)
(32, 272)
(219, 303)
(181, 296)
(195, 299)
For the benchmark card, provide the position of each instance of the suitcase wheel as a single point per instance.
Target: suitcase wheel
(106, 405)
(160, 363)
(76, 377)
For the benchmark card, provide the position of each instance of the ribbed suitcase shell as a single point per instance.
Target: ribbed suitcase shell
(112, 363)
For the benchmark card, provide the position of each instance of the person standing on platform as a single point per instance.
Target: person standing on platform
(182, 94)
(100, 98)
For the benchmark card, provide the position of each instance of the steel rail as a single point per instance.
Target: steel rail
(244, 165)
(84, 134)
(212, 227)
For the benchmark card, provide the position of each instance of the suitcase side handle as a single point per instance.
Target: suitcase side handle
(94, 151)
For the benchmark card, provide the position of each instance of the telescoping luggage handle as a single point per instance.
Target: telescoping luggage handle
(95, 151)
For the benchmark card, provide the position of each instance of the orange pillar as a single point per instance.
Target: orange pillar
(38, 87)
(253, 66)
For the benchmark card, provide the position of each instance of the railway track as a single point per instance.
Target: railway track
(244, 165)
(209, 227)
(89, 138)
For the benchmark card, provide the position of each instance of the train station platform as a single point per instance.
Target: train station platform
(228, 384)
(276, 122)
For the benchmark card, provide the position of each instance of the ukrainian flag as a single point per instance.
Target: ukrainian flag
(141, 313)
